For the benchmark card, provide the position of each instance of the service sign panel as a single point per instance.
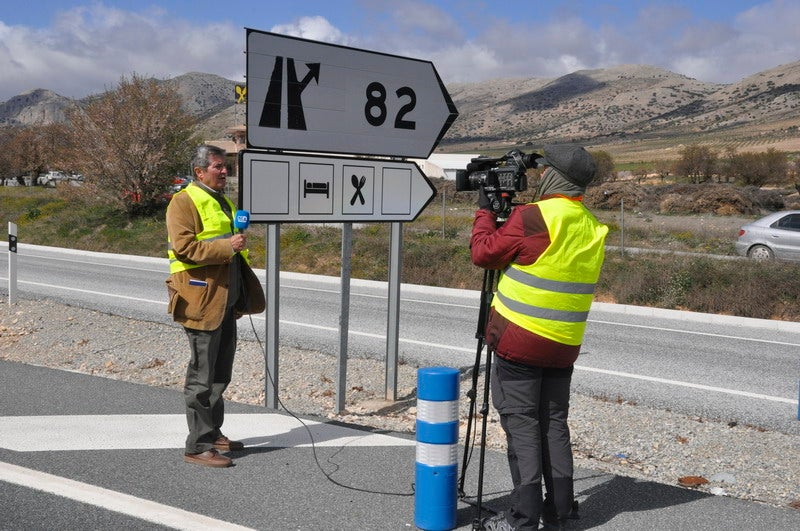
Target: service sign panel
(307, 95)
(277, 187)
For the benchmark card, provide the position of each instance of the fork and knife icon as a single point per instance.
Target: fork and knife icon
(358, 184)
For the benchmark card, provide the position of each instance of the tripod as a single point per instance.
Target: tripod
(480, 335)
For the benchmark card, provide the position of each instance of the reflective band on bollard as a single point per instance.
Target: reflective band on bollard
(435, 495)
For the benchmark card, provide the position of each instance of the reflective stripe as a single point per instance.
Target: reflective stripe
(435, 411)
(542, 313)
(437, 454)
(220, 237)
(577, 288)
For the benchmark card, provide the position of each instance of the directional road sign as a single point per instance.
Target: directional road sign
(278, 188)
(306, 95)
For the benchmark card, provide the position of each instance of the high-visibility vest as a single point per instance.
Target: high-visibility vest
(551, 297)
(216, 224)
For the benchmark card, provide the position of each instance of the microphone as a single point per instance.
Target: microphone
(241, 220)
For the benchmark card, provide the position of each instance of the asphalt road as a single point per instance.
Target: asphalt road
(85, 452)
(716, 367)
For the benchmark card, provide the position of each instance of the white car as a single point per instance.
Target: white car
(776, 236)
(52, 178)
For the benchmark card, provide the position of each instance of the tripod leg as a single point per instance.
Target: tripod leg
(478, 521)
(471, 394)
(485, 304)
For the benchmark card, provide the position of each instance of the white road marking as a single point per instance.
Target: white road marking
(134, 432)
(577, 367)
(692, 332)
(112, 500)
(691, 385)
(101, 293)
(462, 349)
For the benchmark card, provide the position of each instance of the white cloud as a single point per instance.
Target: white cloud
(758, 39)
(661, 34)
(313, 28)
(88, 49)
(466, 63)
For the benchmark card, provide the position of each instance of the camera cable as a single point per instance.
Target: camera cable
(328, 475)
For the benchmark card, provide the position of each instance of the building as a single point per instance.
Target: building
(444, 165)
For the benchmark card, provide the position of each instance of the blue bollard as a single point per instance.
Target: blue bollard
(436, 472)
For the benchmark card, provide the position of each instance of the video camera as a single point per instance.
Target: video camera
(499, 177)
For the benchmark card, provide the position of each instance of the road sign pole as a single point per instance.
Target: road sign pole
(271, 385)
(12, 262)
(344, 315)
(392, 329)
(315, 97)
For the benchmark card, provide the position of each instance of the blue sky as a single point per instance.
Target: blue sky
(80, 47)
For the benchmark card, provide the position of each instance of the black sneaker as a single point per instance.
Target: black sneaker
(550, 519)
(497, 522)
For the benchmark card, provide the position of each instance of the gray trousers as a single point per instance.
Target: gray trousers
(533, 403)
(207, 376)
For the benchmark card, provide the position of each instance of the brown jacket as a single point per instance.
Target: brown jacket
(198, 297)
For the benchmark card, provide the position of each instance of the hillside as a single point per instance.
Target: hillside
(630, 104)
(637, 112)
(38, 106)
(582, 106)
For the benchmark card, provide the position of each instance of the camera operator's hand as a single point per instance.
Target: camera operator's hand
(484, 203)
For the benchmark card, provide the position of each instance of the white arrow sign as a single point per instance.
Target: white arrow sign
(278, 188)
(311, 96)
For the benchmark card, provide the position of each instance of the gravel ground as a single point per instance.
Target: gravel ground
(616, 437)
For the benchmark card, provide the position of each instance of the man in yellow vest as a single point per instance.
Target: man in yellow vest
(210, 286)
(550, 253)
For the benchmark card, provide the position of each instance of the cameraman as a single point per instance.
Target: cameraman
(550, 252)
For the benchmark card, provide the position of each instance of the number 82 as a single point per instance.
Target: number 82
(376, 101)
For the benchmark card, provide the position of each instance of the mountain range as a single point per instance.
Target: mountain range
(626, 105)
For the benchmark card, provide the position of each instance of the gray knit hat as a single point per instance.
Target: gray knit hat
(574, 163)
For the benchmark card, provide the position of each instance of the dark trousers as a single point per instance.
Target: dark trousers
(533, 403)
(207, 377)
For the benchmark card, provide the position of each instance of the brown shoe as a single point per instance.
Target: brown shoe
(208, 458)
(223, 444)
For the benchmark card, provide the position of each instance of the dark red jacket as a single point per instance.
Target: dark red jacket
(521, 239)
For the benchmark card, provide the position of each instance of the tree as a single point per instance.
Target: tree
(129, 143)
(727, 165)
(6, 164)
(794, 173)
(605, 167)
(663, 169)
(698, 163)
(35, 149)
(757, 169)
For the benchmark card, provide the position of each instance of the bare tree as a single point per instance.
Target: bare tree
(727, 165)
(663, 169)
(605, 167)
(7, 169)
(698, 163)
(35, 149)
(130, 142)
(757, 169)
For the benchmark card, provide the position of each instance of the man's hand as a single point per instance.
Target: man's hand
(238, 242)
(484, 203)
